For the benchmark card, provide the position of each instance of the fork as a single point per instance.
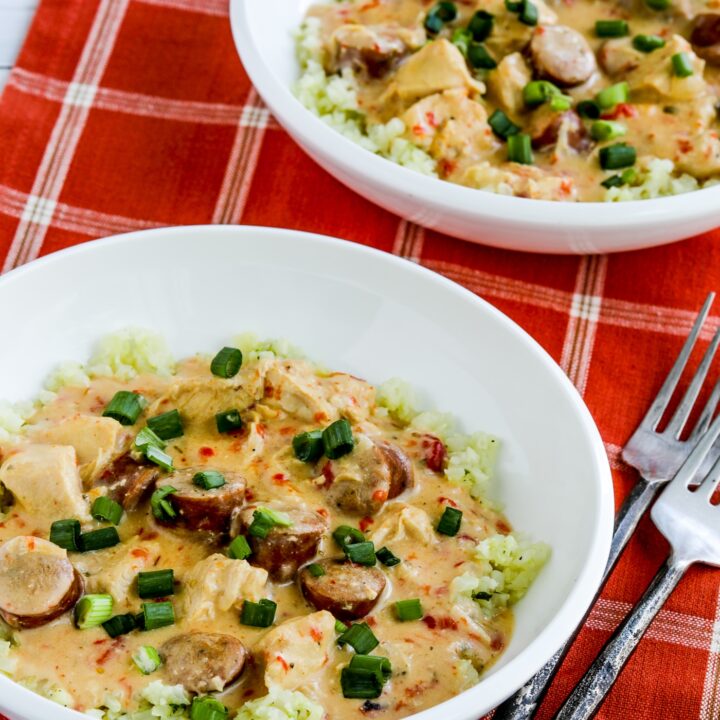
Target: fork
(685, 516)
(657, 456)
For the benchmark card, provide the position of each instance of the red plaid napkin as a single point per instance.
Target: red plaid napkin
(129, 114)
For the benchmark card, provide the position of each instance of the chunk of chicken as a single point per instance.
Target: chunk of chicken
(97, 440)
(509, 35)
(219, 584)
(45, 481)
(404, 523)
(295, 387)
(296, 651)
(507, 81)
(618, 57)
(352, 397)
(520, 180)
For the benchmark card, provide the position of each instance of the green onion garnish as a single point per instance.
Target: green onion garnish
(161, 506)
(626, 177)
(66, 534)
(147, 438)
(560, 103)
(440, 14)
(99, 539)
(461, 39)
(450, 521)
(406, 610)
(264, 520)
(365, 676)
(479, 57)
(119, 625)
(375, 663)
(611, 96)
(156, 584)
(617, 156)
(340, 627)
(502, 125)
(519, 149)
(125, 407)
(160, 458)
(106, 509)
(157, 615)
(345, 535)
(658, 4)
(308, 446)
(528, 13)
(316, 570)
(481, 25)
(602, 130)
(239, 548)
(588, 109)
(93, 610)
(226, 363)
(147, 659)
(682, 65)
(359, 637)
(338, 439)
(258, 614)
(209, 479)
(611, 28)
(362, 553)
(536, 92)
(167, 426)
(207, 708)
(228, 421)
(387, 557)
(514, 6)
(648, 43)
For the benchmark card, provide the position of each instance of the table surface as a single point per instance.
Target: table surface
(15, 16)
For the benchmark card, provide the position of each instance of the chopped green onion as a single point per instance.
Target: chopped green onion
(440, 14)
(433, 23)
(481, 25)
(125, 407)
(602, 130)
(626, 177)
(502, 125)
(481, 595)
(360, 684)
(682, 65)
(99, 539)
(160, 458)
(519, 149)
(375, 663)
(648, 43)
(147, 438)
(66, 534)
(308, 446)
(387, 557)
(345, 535)
(658, 4)
(338, 439)
(258, 614)
(450, 521)
(147, 659)
(536, 92)
(226, 363)
(228, 421)
(119, 625)
(362, 553)
(209, 479)
(514, 6)
(156, 584)
(611, 28)
(461, 39)
(360, 637)
(158, 615)
(340, 627)
(613, 181)
(264, 520)
(316, 570)
(528, 13)
(479, 57)
(207, 708)
(140, 620)
(106, 509)
(161, 507)
(93, 610)
(560, 103)
(239, 548)
(167, 426)
(406, 610)
(611, 96)
(588, 109)
(617, 156)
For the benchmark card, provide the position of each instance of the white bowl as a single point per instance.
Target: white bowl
(263, 36)
(368, 313)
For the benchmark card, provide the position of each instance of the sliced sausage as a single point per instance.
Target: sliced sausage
(346, 590)
(619, 57)
(203, 662)
(207, 510)
(284, 549)
(705, 36)
(547, 128)
(360, 482)
(562, 55)
(129, 481)
(37, 582)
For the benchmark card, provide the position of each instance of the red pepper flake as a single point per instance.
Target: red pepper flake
(316, 635)
(261, 429)
(447, 501)
(418, 130)
(320, 416)
(503, 527)
(206, 451)
(447, 167)
(430, 117)
(287, 430)
(283, 662)
(249, 494)
(328, 474)
(280, 479)
(625, 110)
(139, 553)
(322, 511)
(380, 495)
(430, 621)
(371, 621)
(365, 523)
(369, 5)
(435, 453)
(684, 145)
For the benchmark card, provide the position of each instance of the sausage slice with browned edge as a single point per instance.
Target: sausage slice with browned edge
(203, 662)
(705, 36)
(346, 590)
(128, 480)
(284, 549)
(562, 55)
(200, 509)
(37, 582)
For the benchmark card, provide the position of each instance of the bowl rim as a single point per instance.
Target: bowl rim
(311, 131)
(507, 679)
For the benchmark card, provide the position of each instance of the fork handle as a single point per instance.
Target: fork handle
(523, 704)
(590, 692)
